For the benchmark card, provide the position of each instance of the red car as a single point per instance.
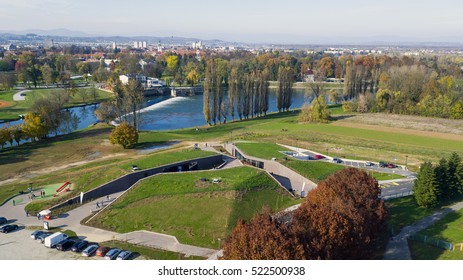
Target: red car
(391, 165)
(319, 157)
(101, 251)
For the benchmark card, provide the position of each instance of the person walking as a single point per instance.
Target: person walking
(27, 213)
(14, 203)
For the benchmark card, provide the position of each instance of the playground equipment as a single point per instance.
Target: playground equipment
(62, 188)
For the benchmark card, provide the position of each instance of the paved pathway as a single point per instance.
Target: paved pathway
(397, 249)
(71, 220)
(19, 96)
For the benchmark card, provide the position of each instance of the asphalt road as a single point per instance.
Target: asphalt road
(396, 189)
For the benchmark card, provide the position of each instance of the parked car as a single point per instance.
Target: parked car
(319, 157)
(3, 220)
(79, 246)
(369, 163)
(65, 244)
(8, 228)
(112, 254)
(53, 240)
(382, 164)
(36, 234)
(124, 255)
(337, 160)
(135, 168)
(41, 237)
(102, 250)
(90, 250)
(391, 165)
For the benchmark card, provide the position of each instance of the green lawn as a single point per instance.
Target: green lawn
(313, 170)
(22, 107)
(448, 229)
(262, 150)
(196, 212)
(90, 176)
(404, 211)
(385, 176)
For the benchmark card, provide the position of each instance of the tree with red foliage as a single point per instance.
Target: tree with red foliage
(262, 238)
(341, 218)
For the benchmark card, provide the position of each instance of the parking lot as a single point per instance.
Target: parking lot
(18, 245)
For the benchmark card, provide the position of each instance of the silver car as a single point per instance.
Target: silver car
(90, 250)
(124, 255)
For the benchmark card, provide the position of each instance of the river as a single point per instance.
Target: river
(167, 113)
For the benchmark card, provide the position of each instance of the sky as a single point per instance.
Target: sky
(291, 21)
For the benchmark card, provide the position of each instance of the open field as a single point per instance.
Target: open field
(22, 107)
(426, 124)
(448, 229)
(197, 212)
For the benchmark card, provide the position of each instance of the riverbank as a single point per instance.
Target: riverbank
(16, 108)
(306, 86)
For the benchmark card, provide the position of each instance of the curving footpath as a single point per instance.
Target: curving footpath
(397, 248)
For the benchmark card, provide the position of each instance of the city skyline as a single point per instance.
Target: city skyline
(256, 22)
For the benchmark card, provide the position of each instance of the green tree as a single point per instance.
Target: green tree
(4, 136)
(107, 112)
(124, 135)
(425, 189)
(193, 77)
(133, 99)
(457, 110)
(34, 127)
(317, 111)
(454, 165)
(172, 64)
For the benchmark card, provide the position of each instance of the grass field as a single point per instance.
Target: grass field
(404, 211)
(22, 107)
(87, 177)
(448, 229)
(315, 171)
(262, 150)
(196, 212)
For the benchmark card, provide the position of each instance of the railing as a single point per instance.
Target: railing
(432, 241)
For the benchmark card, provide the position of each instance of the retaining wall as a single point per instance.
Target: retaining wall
(123, 183)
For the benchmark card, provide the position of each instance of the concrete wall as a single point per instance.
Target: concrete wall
(291, 180)
(126, 181)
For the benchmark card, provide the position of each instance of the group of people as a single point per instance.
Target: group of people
(33, 195)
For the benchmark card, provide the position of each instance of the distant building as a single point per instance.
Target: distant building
(146, 82)
(197, 45)
(309, 76)
(159, 47)
(114, 46)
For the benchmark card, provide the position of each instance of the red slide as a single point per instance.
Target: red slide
(62, 187)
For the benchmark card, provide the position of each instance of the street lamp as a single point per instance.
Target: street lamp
(406, 160)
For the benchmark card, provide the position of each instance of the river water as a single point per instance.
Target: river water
(166, 113)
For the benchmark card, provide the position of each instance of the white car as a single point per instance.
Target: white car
(369, 163)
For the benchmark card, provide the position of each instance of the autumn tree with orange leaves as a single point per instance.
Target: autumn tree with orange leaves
(262, 238)
(341, 218)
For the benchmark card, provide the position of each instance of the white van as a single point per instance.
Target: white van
(54, 239)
